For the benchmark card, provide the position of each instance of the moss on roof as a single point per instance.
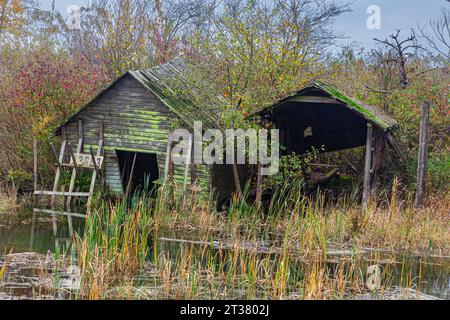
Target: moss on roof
(370, 113)
(169, 83)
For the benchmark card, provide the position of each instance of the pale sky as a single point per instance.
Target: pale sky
(395, 14)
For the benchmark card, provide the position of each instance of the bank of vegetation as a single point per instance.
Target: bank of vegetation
(258, 52)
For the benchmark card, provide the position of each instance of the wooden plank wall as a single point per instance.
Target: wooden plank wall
(134, 120)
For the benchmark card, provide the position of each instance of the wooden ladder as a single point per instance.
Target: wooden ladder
(77, 161)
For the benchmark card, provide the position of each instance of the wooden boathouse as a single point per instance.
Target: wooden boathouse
(134, 118)
(129, 127)
(322, 117)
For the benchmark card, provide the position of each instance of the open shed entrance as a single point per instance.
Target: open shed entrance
(321, 118)
(323, 126)
(135, 169)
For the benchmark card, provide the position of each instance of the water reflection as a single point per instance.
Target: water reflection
(29, 232)
(30, 237)
(427, 275)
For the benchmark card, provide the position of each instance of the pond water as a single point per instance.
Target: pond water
(28, 243)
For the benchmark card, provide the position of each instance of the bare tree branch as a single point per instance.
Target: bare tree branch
(400, 51)
(439, 37)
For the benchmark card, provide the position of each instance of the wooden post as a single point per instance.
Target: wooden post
(80, 136)
(368, 165)
(35, 165)
(33, 223)
(259, 185)
(103, 170)
(72, 156)
(130, 178)
(188, 162)
(167, 167)
(171, 166)
(72, 184)
(379, 146)
(74, 172)
(94, 173)
(193, 166)
(94, 179)
(423, 155)
(57, 176)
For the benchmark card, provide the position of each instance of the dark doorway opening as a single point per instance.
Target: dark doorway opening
(138, 171)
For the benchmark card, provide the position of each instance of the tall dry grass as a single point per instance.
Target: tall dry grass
(8, 199)
(115, 250)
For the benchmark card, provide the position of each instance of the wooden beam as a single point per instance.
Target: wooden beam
(62, 213)
(55, 153)
(94, 161)
(123, 171)
(75, 167)
(188, 162)
(61, 193)
(316, 99)
(394, 145)
(423, 156)
(131, 175)
(368, 165)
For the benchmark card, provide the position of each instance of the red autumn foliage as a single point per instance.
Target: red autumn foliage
(43, 91)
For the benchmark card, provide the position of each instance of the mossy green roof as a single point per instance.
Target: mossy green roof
(370, 113)
(169, 82)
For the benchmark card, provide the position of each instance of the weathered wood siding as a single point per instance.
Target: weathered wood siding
(133, 120)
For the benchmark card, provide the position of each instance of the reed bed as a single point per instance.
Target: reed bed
(312, 223)
(8, 200)
(120, 257)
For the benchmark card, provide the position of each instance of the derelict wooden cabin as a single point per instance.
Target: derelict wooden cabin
(135, 116)
(320, 116)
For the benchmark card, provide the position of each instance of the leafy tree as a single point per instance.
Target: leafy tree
(44, 90)
(260, 51)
